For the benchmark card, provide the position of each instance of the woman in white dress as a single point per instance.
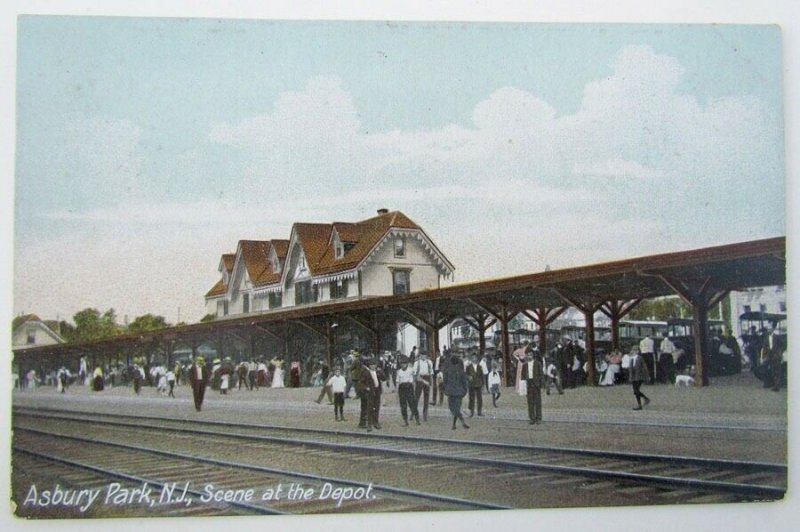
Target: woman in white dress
(612, 361)
(277, 374)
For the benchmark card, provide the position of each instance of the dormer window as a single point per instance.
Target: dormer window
(399, 246)
(276, 265)
(339, 249)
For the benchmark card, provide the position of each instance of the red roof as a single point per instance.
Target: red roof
(315, 241)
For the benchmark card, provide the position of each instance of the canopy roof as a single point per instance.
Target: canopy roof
(714, 269)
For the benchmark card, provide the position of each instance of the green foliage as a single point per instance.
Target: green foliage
(147, 322)
(516, 323)
(91, 325)
(660, 309)
(208, 317)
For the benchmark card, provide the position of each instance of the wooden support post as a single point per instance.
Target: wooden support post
(330, 341)
(701, 296)
(481, 325)
(588, 307)
(542, 317)
(504, 319)
(616, 310)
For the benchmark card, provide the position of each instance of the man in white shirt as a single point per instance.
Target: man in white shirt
(485, 365)
(337, 384)
(405, 391)
(494, 383)
(423, 377)
(647, 352)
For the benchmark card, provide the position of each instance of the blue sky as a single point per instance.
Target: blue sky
(147, 147)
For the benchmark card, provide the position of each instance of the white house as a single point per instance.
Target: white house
(30, 331)
(387, 254)
(765, 299)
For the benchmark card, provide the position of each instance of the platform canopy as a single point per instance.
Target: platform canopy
(700, 276)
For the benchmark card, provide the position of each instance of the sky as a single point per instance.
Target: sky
(147, 147)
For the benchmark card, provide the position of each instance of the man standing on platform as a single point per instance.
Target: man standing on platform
(475, 382)
(405, 391)
(533, 374)
(485, 365)
(638, 374)
(647, 352)
(198, 376)
(423, 377)
(371, 381)
(357, 372)
(666, 364)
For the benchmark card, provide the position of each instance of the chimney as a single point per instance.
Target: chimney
(383, 211)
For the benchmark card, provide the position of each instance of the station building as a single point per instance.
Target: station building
(29, 330)
(388, 254)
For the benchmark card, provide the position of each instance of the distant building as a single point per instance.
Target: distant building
(766, 299)
(387, 254)
(30, 331)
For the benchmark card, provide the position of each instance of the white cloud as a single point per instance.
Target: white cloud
(635, 170)
(617, 168)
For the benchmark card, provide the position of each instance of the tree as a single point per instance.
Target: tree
(147, 322)
(91, 325)
(208, 317)
(661, 309)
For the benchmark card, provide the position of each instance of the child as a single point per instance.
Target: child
(337, 384)
(552, 378)
(171, 383)
(494, 384)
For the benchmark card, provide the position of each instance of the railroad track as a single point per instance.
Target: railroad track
(137, 480)
(659, 479)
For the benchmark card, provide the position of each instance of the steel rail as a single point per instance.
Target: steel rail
(136, 479)
(679, 459)
(282, 472)
(756, 490)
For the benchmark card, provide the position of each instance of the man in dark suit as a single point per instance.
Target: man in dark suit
(475, 382)
(198, 376)
(533, 374)
(372, 386)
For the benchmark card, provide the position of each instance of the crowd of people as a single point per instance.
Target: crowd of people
(420, 381)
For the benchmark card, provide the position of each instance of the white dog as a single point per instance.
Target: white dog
(685, 380)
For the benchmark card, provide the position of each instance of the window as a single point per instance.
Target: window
(401, 281)
(782, 306)
(31, 336)
(339, 247)
(222, 308)
(747, 308)
(338, 289)
(246, 303)
(305, 293)
(275, 299)
(399, 246)
(276, 265)
(763, 307)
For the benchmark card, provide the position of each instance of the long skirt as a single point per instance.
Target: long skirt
(277, 378)
(522, 384)
(454, 404)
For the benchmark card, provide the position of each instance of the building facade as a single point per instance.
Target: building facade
(30, 331)
(387, 254)
(765, 299)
